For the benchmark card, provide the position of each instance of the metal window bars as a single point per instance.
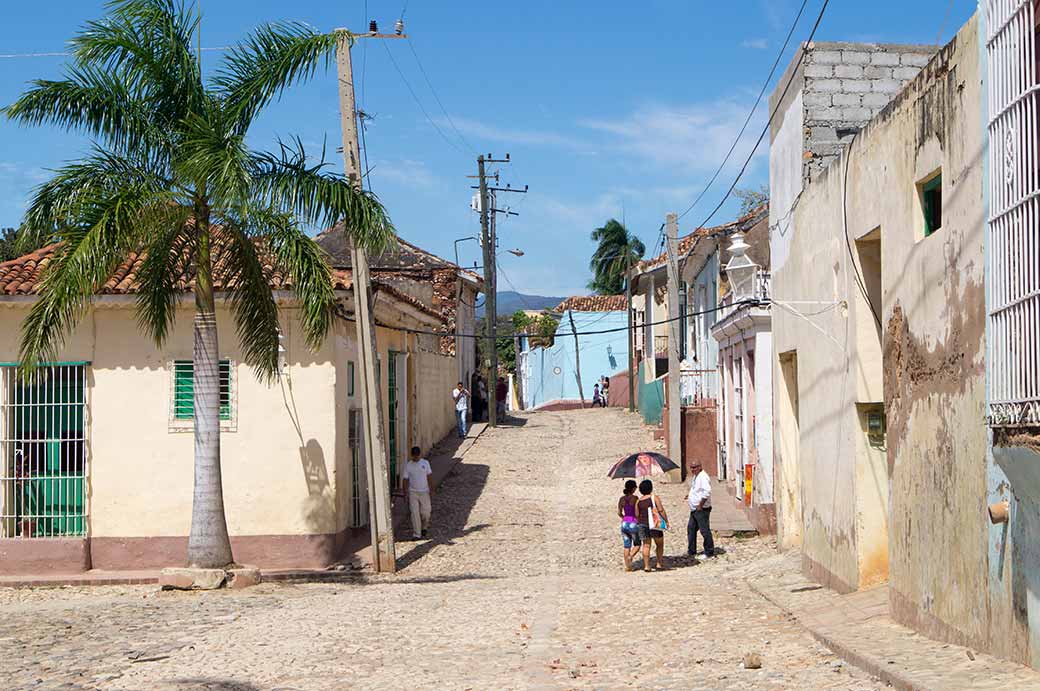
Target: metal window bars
(358, 478)
(43, 451)
(1013, 270)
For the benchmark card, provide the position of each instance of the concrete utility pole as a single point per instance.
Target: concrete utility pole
(577, 359)
(674, 413)
(631, 333)
(384, 557)
(487, 234)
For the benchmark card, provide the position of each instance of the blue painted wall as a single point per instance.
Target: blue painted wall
(551, 371)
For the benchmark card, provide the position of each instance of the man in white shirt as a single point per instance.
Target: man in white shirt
(461, 397)
(699, 500)
(416, 476)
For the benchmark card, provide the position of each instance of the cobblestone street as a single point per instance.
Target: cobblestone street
(520, 587)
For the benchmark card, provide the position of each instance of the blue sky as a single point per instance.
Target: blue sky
(602, 106)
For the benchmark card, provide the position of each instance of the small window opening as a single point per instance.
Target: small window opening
(931, 205)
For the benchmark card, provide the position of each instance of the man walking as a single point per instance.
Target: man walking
(416, 476)
(461, 397)
(501, 392)
(699, 500)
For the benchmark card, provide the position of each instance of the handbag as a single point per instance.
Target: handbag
(654, 517)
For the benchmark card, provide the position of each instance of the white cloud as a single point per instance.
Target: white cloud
(405, 172)
(755, 43)
(494, 133)
(687, 138)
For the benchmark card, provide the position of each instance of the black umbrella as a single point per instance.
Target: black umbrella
(642, 464)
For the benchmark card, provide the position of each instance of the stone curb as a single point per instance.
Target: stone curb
(869, 664)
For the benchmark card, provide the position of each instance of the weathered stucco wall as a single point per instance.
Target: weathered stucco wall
(912, 511)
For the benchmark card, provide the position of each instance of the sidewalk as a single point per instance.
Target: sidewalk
(727, 513)
(857, 627)
(356, 553)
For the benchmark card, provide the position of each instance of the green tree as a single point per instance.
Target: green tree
(750, 198)
(170, 175)
(8, 244)
(615, 249)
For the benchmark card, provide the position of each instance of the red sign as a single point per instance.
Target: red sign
(749, 471)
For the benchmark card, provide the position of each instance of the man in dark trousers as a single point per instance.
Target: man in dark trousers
(699, 500)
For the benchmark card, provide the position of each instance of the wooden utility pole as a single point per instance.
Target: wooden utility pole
(674, 310)
(631, 333)
(577, 359)
(384, 557)
(490, 315)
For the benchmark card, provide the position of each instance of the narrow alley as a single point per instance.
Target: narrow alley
(520, 586)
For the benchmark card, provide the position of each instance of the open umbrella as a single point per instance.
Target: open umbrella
(642, 464)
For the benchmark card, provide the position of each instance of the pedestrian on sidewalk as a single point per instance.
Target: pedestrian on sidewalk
(460, 394)
(699, 500)
(416, 475)
(482, 400)
(652, 517)
(604, 391)
(501, 393)
(596, 400)
(626, 509)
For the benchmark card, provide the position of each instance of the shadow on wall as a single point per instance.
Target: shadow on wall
(319, 508)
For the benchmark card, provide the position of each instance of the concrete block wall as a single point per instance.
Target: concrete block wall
(845, 85)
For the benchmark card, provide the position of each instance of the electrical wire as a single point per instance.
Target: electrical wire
(418, 102)
(765, 130)
(742, 303)
(751, 113)
(437, 98)
(845, 231)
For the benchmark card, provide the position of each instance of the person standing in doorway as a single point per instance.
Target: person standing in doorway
(699, 500)
(501, 392)
(416, 476)
(460, 394)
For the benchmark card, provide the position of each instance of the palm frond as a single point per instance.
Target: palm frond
(148, 44)
(266, 63)
(88, 255)
(288, 183)
(214, 152)
(168, 248)
(251, 300)
(94, 102)
(78, 192)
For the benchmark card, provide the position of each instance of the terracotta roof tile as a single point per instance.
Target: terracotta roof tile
(592, 303)
(744, 223)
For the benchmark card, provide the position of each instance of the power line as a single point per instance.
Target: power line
(761, 136)
(751, 113)
(418, 102)
(438, 98)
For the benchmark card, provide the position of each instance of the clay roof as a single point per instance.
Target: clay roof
(593, 303)
(23, 276)
(686, 242)
(404, 257)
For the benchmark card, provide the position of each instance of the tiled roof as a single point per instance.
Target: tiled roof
(743, 224)
(593, 303)
(22, 276)
(403, 257)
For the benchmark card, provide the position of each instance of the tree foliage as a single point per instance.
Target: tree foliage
(616, 249)
(751, 198)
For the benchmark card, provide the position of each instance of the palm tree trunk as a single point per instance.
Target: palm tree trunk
(209, 545)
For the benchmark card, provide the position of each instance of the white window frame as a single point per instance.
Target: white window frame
(1013, 270)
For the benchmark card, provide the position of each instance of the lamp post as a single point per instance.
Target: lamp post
(470, 237)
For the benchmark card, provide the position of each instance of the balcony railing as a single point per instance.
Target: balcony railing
(760, 290)
(661, 344)
(698, 386)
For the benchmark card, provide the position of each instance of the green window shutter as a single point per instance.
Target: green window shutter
(184, 390)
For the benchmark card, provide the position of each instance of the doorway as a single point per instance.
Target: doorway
(787, 469)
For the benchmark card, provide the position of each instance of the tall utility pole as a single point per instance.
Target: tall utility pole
(577, 359)
(631, 333)
(488, 239)
(674, 413)
(384, 557)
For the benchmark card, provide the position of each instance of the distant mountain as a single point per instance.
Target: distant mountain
(510, 301)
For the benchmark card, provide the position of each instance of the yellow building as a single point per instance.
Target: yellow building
(96, 452)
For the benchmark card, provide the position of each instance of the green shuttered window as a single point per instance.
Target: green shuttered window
(184, 390)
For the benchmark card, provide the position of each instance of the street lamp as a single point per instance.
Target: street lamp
(740, 269)
(471, 237)
(516, 252)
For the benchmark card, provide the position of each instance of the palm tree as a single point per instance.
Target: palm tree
(616, 250)
(170, 178)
